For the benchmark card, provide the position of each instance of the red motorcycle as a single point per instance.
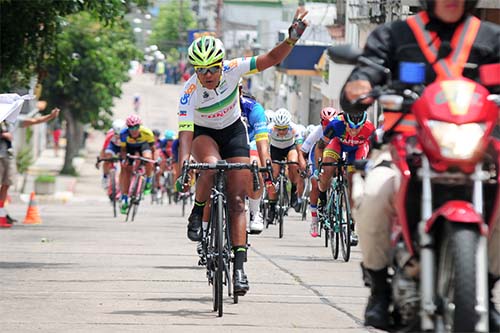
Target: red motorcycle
(440, 138)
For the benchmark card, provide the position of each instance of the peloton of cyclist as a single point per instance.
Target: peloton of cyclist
(211, 129)
(254, 116)
(349, 134)
(286, 142)
(308, 149)
(135, 139)
(111, 148)
(164, 153)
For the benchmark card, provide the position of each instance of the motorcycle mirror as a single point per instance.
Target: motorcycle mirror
(346, 54)
(490, 74)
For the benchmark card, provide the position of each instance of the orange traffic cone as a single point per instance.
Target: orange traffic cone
(32, 215)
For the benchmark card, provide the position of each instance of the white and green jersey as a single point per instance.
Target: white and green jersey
(214, 108)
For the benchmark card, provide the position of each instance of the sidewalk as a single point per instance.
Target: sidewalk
(48, 164)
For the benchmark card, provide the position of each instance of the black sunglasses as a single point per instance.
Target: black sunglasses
(205, 70)
(134, 128)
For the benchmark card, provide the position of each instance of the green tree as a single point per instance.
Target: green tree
(97, 58)
(28, 31)
(170, 28)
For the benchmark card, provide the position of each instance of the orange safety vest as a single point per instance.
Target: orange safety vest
(450, 67)
(461, 43)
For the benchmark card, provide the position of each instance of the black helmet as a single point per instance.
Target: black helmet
(429, 5)
(156, 132)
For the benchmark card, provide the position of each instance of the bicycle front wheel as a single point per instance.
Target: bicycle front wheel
(344, 214)
(334, 224)
(219, 253)
(281, 211)
(138, 196)
(112, 194)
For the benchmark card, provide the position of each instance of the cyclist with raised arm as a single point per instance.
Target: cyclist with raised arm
(349, 134)
(447, 21)
(135, 139)
(211, 129)
(308, 149)
(285, 141)
(254, 116)
(111, 148)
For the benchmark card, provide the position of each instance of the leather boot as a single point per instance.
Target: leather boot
(494, 314)
(377, 309)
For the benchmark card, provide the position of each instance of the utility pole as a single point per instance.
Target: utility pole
(218, 19)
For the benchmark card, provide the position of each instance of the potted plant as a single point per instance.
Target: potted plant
(45, 184)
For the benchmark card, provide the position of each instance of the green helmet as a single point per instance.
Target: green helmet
(205, 51)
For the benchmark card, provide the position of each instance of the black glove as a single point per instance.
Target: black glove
(296, 29)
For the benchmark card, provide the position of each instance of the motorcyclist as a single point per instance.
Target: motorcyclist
(446, 22)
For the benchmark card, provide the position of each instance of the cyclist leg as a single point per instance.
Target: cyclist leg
(277, 154)
(235, 149)
(147, 152)
(255, 224)
(295, 179)
(125, 175)
(111, 151)
(331, 154)
(314, 192)
(374, 215)
(205, 150)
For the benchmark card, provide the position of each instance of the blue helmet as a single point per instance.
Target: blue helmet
(169, 134)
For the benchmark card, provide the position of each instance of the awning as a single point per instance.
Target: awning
(302, 61)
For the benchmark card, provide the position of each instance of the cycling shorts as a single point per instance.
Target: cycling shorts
(112, 149)
(232, 140)
(335, 150)
(138, 150)
(280, 153)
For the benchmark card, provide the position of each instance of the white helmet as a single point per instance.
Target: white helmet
(269, 116)
(282, 117)
(118, 125)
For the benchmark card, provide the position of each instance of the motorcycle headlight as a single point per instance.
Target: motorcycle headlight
(457, 141)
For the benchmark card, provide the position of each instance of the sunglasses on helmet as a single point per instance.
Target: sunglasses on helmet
(204, 70)
(355, 121)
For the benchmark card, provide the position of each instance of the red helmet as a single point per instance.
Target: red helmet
(328, 113)
(133, 120)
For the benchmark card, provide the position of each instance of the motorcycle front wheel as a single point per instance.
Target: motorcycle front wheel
(457, 278)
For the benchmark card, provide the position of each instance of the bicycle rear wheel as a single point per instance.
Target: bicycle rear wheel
(345, 221)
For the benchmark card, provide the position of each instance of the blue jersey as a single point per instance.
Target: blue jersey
(255, 118)
(175, 150)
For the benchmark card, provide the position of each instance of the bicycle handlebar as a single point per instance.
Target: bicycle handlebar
(223, 165)
(142, 159)
(108, 159)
